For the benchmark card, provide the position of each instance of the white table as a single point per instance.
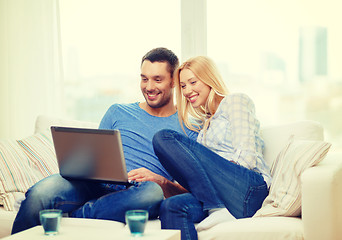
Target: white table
(84, 230)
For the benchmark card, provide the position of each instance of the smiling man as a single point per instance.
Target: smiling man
(156, 82)
(137, 122)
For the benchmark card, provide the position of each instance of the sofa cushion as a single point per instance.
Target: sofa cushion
(41, 152)
(284, 198)
(44, 122)
(23, 163)
(277, 136)
(272, 228)
(16, 172)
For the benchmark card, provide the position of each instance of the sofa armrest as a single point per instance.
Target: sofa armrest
(321, 199)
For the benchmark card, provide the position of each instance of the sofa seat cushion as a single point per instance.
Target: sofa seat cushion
(6, 221)
(264, 228)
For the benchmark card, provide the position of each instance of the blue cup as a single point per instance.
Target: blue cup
(50, 219)
(136, 220)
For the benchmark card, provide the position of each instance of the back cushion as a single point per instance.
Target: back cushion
(44, 122)
(276, 137)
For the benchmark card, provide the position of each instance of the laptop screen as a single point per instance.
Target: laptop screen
(90, 154)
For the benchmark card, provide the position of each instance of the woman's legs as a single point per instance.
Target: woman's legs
(181, 212)
(172, 154)
(208, 176)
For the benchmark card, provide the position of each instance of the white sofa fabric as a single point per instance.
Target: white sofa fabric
(321, 192)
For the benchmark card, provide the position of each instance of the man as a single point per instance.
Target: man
(137, 122)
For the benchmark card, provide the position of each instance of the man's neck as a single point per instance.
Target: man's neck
(164, 111)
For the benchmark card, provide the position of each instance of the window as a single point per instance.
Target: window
(285, 54)
(103, 42)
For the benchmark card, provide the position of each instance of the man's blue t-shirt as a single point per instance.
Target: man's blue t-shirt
(137, 128)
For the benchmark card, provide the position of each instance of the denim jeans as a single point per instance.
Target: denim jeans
(211, 179)
(84, 199)
(181, 212)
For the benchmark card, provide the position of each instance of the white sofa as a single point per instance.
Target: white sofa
(320, 187)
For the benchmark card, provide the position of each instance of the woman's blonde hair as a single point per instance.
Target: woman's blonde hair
(206, 71)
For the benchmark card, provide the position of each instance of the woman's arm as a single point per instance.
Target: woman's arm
(244, 126)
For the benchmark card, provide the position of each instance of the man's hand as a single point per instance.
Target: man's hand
(169, 188)
(143, 174)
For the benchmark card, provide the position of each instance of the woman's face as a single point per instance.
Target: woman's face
(195, 91)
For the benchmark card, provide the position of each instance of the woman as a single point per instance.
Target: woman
(223, 170)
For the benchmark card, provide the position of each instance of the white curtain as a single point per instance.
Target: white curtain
(30, 64)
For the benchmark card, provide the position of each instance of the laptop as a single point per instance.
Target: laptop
(90, 154)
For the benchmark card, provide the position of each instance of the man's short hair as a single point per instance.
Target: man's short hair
(162, 55)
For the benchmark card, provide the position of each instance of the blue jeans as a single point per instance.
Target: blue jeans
(181, 212)
(84, 199)
(211, 179)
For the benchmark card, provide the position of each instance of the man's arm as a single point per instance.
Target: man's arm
(169, 188)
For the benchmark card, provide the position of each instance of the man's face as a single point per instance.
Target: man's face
(156, 83)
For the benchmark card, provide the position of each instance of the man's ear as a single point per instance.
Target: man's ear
(173, 84)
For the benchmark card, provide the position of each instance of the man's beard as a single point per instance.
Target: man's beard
(161, 103)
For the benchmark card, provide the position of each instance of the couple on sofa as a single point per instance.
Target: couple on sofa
(201, 164)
